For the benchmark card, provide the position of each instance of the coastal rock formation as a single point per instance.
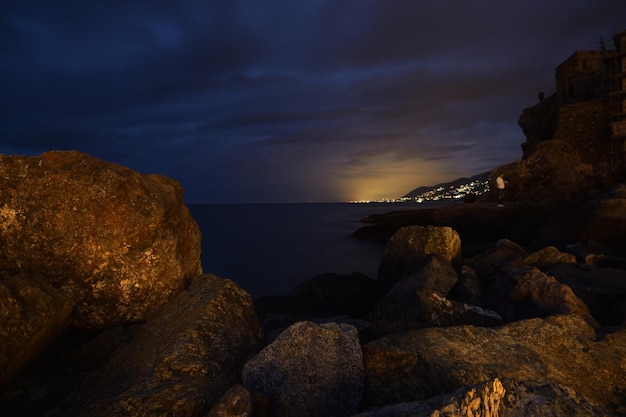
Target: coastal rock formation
(517, 294)
(561, 350)
(434, 273)
(482, 399)
(117, 243)
(554, 171)
(397, 346)
(34, 317)
(182, 360)
(310, 370)
(401, 312)
(409, 247)
(549, 256)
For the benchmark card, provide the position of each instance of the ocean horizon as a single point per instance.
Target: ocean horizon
(270, 248)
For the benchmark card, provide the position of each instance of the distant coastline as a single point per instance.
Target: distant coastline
(460, 189)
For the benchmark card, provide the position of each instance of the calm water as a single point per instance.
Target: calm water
(271, 248)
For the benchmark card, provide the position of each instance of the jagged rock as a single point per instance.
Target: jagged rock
(496, 398)
(117, 243)
(182, 360)
(34, 317)
(554, 171)
(525, 399)
(310, 370)
(602, 289)
(503, 255)
(556, 350)
(408, 248)
(402, 312)
(435, 274)
(518, 294)
(549, 256)
(241, 402)
(482, 399)
(469, 289)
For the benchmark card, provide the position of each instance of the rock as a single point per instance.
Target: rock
(607, 223)
(310, 370)
(495, 398)
(436, 274)
(553, 171)
(117, 243)
(408, 248)
(469, 289)
(34, 317)
(549, 256)
(182, 360)
(525, 399)
(325, 295)
(425, 308)
(562, 350)
(518, 294)
(241, 402)
(482, 399)
(602, 289)
(501, 256)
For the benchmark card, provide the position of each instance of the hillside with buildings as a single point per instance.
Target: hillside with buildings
(460, 189)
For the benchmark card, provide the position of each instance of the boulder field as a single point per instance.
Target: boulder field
(476, 311)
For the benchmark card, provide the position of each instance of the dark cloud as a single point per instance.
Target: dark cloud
(287, 101)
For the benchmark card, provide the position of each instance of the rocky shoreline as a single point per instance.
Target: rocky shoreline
(476, 310)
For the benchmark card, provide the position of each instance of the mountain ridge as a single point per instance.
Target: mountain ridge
(420, 191)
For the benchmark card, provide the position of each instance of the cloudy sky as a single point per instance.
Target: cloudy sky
(282, 100)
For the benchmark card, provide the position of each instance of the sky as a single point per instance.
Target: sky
(248, 101)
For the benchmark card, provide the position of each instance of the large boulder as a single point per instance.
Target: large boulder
(603, 289)
(310, 370)
(482, 399)
(503, 255)
(528, 399)
(436, 274)
(183, 360)
(402, 312)
(561, 350)
(518, 294)
(498, 398)
(470, 288)
(34, 317)
(119, 244)
(549, 256)
(409, 247)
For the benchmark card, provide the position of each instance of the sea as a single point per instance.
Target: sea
(268, 249)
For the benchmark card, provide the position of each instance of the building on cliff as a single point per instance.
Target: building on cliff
(589, 105)
(615, 82)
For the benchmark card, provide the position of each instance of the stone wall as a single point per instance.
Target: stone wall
(587, 126)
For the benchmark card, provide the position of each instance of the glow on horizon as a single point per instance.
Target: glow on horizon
(391, 182)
